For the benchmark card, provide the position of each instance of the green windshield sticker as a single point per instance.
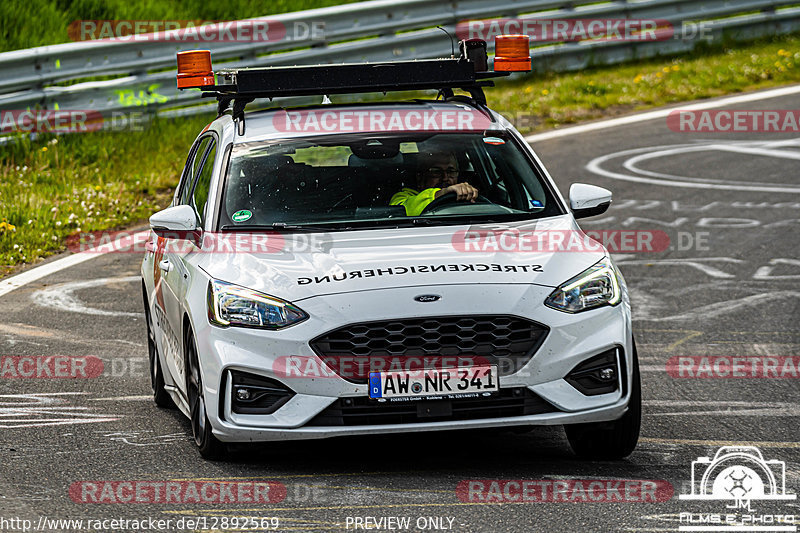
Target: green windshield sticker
(241, 216)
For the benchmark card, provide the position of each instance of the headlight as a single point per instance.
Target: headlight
(594, 287)
(231, 305)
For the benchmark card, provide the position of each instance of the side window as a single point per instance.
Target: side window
(190, 171)
(203, 182)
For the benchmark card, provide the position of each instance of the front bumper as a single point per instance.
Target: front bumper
(571, 340)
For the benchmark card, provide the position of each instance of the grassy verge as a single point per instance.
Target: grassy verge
(52, 188)
(549, 100)
(28, 23)
(55, 187)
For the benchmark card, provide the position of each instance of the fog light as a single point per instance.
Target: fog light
(252, 394)
(607, 374)
(242, 394)
(598, 374)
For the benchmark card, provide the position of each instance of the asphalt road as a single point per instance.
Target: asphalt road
(734, 294)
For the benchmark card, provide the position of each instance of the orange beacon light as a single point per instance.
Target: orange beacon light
(194, 69)
(512, 53)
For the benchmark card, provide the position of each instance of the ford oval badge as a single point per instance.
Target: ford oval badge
(427, 298)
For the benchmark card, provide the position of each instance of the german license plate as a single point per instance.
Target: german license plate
(444, 382)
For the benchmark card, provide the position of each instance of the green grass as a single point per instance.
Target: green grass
(28, 23)
(53, 188)
(56, 187)
(550, 100)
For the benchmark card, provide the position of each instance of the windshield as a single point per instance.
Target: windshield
(369, 180)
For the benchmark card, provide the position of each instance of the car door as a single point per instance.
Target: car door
(175, 272)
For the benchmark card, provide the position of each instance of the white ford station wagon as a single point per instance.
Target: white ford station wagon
(382, 267)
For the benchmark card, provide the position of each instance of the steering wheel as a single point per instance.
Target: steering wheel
(449, 198)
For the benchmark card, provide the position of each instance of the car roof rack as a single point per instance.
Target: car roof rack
(242, 86)
(468, 72)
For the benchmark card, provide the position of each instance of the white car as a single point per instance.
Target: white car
(322, 273)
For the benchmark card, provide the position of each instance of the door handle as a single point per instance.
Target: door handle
(150, 246)
(165, 265)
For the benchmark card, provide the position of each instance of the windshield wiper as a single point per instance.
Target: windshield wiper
(282, 226)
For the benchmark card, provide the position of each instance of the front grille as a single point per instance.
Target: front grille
(507, 341)
(362, 411)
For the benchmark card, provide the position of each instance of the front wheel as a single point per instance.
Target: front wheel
(208, 445)
(611, 440)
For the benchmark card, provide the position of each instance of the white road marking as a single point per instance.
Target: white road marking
(14, 282)
(695, 262)
(61, 296)
(717, 443)
(729, 306)
(45, 409)
(145, 438)
(122, 399)
(670, 180)
(752, 148)
(13, 342)
(765, 272)
(723, 408)
(663, 113)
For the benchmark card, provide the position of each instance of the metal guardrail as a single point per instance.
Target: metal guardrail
(367, 31)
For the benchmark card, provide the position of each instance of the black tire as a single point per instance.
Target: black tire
(611, 440)
(160, 395)
(209, 446)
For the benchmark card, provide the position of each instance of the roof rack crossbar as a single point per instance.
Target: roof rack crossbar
(273, 82)
(242, 86)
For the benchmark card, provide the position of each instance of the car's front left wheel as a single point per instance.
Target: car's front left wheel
(209, 446)
(611, 440)
(160, 395)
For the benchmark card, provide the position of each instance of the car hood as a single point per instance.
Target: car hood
(304, 265)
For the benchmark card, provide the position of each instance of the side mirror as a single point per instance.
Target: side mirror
(176, 222)
(588, 200)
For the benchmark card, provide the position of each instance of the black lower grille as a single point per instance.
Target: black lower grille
(354, 350)
(362, 411)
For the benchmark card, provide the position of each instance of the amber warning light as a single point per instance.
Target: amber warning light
(512, 53)
(194, 69)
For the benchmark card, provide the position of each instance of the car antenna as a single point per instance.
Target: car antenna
(452, 46)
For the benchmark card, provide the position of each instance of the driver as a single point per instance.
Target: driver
(437, 175)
